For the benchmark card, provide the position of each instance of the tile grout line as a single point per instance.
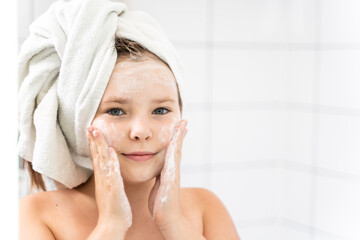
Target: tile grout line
(300, 227)
(286, 223)
(287, 165)
(321, 172)
(315, 126)
(273, 105)
(271, 46)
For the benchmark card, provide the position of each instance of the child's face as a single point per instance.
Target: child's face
(141, 123)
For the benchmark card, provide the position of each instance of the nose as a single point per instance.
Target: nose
(140, 131)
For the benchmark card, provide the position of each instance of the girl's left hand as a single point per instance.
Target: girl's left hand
(164, 199)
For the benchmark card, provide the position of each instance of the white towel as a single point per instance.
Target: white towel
(64, 67)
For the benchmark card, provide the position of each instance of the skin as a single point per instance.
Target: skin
(139, 129)
(125, 199)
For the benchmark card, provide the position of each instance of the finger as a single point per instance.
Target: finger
(152, 197)
(103, 155)
(93, 150)
(173, 152)
(92, 142)
(168, 171)
(179, 143)
(116, 176)
(117, 179)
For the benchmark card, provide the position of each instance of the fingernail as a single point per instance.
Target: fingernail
(90, 129)
(96, 133)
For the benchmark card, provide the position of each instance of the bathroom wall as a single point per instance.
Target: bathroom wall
(272, 98)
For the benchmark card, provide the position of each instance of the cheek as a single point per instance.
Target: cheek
(166, 131)
(112, 134)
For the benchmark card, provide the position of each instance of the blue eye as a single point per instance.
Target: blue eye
(115, 111)
(158, 111)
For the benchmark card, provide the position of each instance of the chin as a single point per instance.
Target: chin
(138, 178)
(140, 175)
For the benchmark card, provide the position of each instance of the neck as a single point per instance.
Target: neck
(137, 193)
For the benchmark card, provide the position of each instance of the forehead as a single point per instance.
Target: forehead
(134, 76)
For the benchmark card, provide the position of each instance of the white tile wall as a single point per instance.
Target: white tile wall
(299, 83)
(194, 142)
(260, 232)
(299, 143)
(339, 21)
(339, 78)
(40, 6)
(248, 75)
(272, 98)
(24, 183)
(249, 194)
(193, 178)
(337, 208)
(338, 143)
(25, 17)
(239, 136)
(194, 88)
(183, 20)
(302, 16)
(296, 201)
(249, 21)
(294, 234)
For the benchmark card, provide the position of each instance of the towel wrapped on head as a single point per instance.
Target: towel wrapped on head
(64, 67)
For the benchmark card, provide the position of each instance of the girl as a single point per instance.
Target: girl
(135, 141)
(135, 136)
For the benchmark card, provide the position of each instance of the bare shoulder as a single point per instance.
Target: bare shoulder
(34, 204)
(198, 192)
(34, 212)
(203, 196)
(217, 222)
(195, 194)
(42, 201)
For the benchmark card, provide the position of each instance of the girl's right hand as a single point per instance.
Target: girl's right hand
(113, 205)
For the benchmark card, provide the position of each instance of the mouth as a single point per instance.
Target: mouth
(140, 156)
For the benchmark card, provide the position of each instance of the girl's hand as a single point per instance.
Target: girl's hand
(111, 199)
(164, 199)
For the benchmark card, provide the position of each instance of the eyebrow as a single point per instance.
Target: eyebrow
(125, 100)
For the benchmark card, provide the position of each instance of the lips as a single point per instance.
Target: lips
(139, 156)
